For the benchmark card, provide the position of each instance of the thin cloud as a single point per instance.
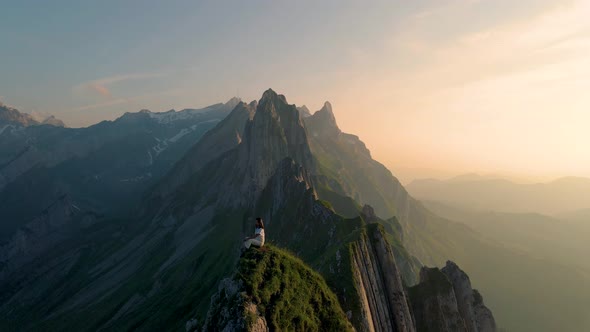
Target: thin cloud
(101, 86)
(100, 89)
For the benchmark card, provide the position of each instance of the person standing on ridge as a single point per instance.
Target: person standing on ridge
(257, 239)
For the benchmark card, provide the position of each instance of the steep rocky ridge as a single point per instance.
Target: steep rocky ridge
(384, 306)
(347, 167)
(476, 315)
(222, 138)
(434, 303)
(506, 275)
(10, 116)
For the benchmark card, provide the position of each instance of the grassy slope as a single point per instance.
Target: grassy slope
(289, 294)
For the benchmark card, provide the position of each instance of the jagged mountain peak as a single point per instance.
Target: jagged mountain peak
(276, 106)
(233, 102)
(327, 114)
(12, 116)
(327, 107)
(52, 120)
(270, 95)
(304, 111)
(275, 133)
(253, 104)
(241, 155)
(323, 122)
(368, 214)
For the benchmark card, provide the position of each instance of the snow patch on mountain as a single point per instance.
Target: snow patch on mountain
(183, 132)
(173, 116)
(165, 143)
(138, 178)
(4, 128)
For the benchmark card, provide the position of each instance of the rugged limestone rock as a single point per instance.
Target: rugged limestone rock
(304, 111)
(434, 304)
(478, 318)
(236, 179)
(383, 301)
(368, 214)
(323, 122)
(258, 157)
(231, 310)
(445, 301)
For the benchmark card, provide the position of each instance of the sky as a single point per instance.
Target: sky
(432, 87)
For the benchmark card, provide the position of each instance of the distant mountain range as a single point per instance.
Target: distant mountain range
(12, 119)
(563, 195)
(104, 168)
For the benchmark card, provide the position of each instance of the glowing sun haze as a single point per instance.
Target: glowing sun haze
(458, 85)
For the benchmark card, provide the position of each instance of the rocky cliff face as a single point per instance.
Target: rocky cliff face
(445, 301)
(225, 136)
(231, 310)
(259, 157)
(384, 305)
(477, 317)
(434, 303)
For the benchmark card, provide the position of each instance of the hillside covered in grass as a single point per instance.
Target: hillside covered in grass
(274, 289)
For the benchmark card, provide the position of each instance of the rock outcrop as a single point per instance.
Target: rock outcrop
(323, 122)
(478, 318)
(445, 301)
(384, 305)
(231, 310)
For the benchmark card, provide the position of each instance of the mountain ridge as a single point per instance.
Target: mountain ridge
(10, 116)
(171, 254)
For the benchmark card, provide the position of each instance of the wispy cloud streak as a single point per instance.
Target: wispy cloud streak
(101, 86)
